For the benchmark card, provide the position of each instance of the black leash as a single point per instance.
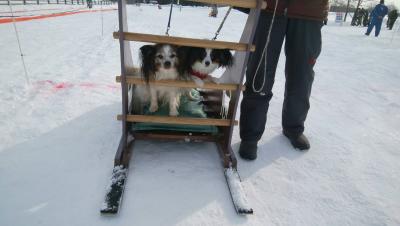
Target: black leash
(222, 23)
(169, 19)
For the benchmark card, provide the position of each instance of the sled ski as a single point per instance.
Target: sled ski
(115, 191)
(212, 100)
(236, 190)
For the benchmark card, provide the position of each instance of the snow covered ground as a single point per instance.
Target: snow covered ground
(59, 133)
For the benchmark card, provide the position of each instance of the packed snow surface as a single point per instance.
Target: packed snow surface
(59, 132)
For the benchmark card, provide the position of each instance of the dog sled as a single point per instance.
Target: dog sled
(212, 99)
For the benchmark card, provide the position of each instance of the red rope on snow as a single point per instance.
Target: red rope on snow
(58, 86)
(20, 19)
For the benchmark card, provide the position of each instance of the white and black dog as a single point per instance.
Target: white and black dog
(199, 63)
(160, 62)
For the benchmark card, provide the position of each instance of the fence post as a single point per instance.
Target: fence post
(37, 2)
(72, 2)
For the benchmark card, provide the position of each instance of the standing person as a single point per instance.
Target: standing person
(214, 11)
(357, 17)
(392, 17)
(89, 3)
(377, 15)
(365, 18)
(299, 22)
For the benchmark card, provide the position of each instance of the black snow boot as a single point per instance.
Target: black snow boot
(298, 141)
(248, 150)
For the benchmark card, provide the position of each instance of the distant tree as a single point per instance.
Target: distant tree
(347, 10)
(352, 7)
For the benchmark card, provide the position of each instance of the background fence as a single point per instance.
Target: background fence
(65, 2)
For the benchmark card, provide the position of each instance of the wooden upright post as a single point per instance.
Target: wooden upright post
(124, 88)
(242, 59)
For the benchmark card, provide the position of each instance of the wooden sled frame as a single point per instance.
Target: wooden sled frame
(225, 126)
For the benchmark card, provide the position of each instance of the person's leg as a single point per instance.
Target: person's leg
(390, 24)
(302, 48)
(378, 26)
(254, 105)
(370, 26)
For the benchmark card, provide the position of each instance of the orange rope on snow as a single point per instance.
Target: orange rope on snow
(20, 19)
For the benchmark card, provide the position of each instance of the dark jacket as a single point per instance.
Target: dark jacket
(393, 14)
(379, 12)
(304, 9)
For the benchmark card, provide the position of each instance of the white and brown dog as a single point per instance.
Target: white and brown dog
(160, 62)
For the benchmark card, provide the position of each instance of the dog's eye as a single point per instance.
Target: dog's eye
(160, 56)
(172, 56)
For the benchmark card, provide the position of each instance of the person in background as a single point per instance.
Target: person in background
(357, 17)
(89, 3)
(377, 15)
(299, 23)
(392, 17)
(214, 11)
(365, 18)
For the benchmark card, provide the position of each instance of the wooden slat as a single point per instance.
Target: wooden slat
(129, 36)
(182, 84)
(177, 120)
(174, 135)
(239, 3)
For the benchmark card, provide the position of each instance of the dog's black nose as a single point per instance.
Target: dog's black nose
(207, 63)
(167, 64)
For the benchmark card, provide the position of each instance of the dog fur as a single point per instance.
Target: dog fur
(160, 62)
(199, 63)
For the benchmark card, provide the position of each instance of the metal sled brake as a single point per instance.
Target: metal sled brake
(212, 101)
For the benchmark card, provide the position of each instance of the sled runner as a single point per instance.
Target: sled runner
(221, 129)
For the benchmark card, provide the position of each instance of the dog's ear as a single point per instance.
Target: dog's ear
(195, 54)
(147, 53)
(224, 56)
(182, 53)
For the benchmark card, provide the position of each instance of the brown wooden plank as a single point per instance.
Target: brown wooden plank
(124, 151)
(121, 148)
(182, 84)
(178, 120)
(154, 135)
(129, 36)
